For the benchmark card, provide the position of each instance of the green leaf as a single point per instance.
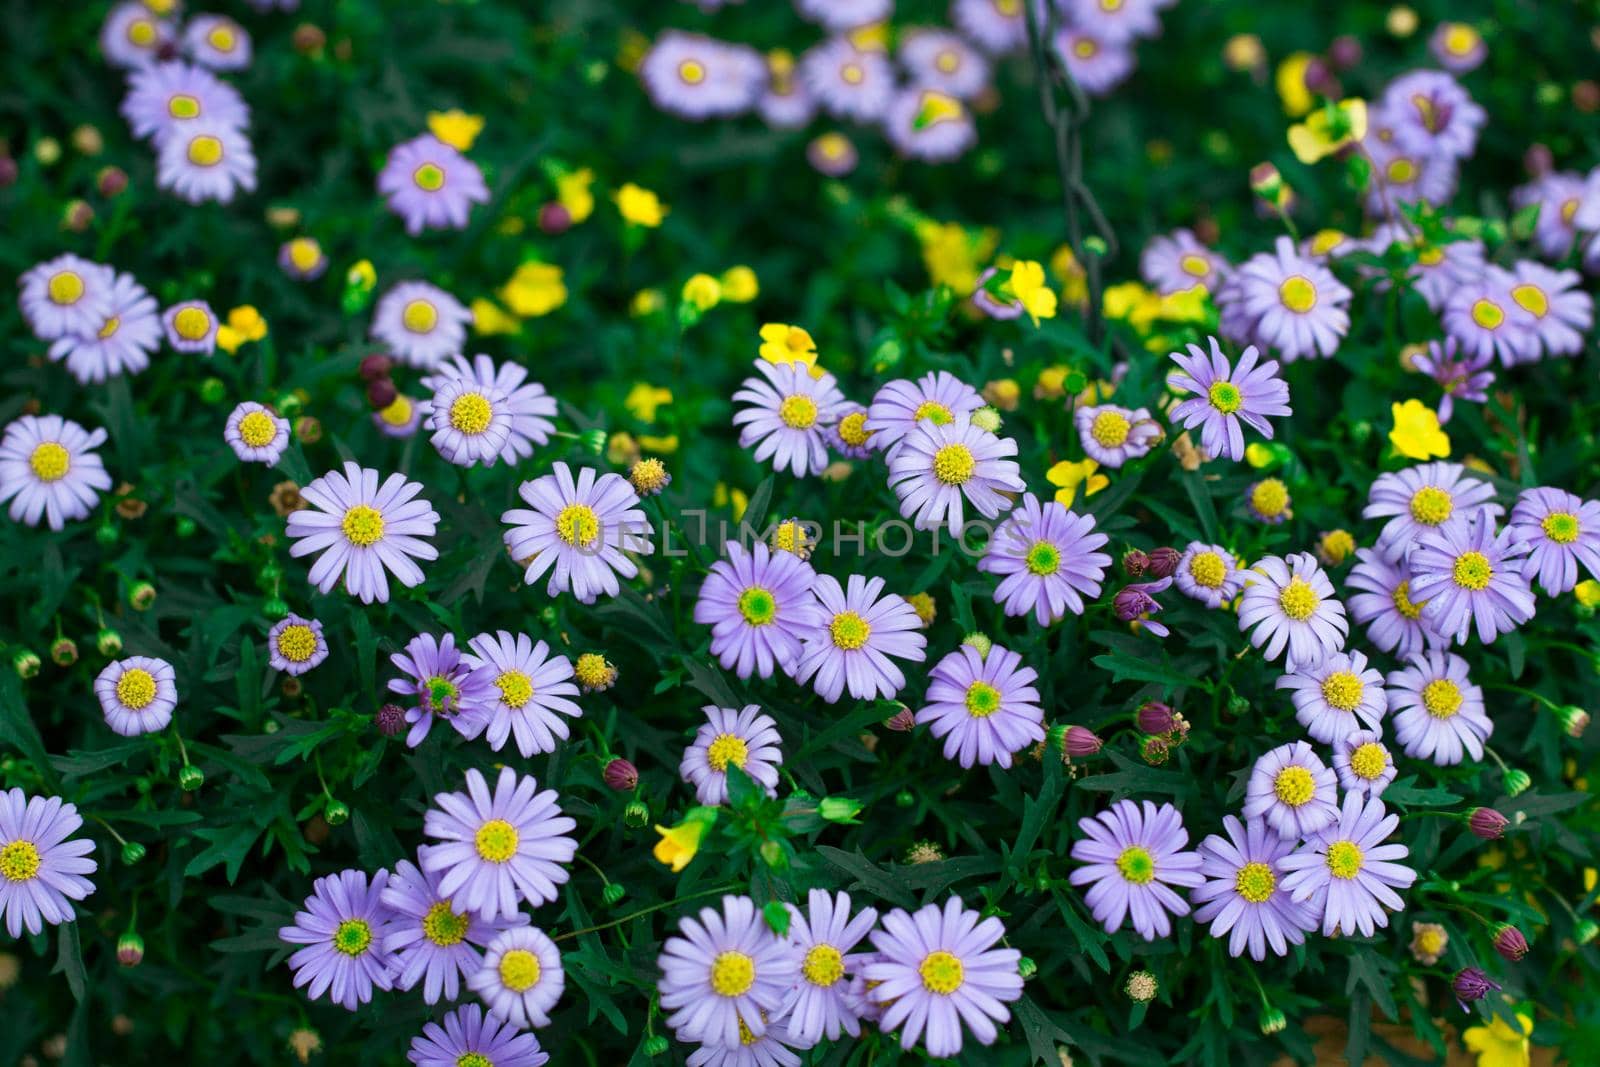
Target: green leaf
(1367, 969)
(1125, 668)
(16, 727)
(228, 845)
(69, 959)
(868, 876)
(776, 914)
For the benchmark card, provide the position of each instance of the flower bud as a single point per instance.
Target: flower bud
(1470, 984)
(1027, 968)
(980, 644)
(190, 778)
(132, 852)
(274, 608)
(839, 809)
(63, 652)
(1510, 943)
(1585, 931)
(111, 182)
(594, 441)
(1135, 564)
(1487, 823)
(77, 217)
(656, 1045)
(1271, 1020)
(554, 218)
(25, 663)
(381, 392)
(636, 814)
(108, 642)
(773, 856)
(1344, 51)
(613, 893)
(987, 418)
(1155, 750)
(1141, 987)
(142, 596)
(901, 721)
(375, 366)
(1155, 718)
(1538, 160)
(307, 430)
(1516, 782)
(391, 720)
(309, 40)
(905, 798)
(620, 775)
(1574, 720)
(337, 812)
(8, 171)
(130, 949)
(1164, 562)
(184, 526)
(1077, 740)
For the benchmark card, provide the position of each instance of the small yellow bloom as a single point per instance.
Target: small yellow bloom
(489, 320)
(455, 127)
(782, 343)
(362, 276)
(665, 445)
(739, 285)
(703, 291)
(1052, 382)
(644, 399)
(871, 37)
(639, 206)
(244, 324)
(1069, 476)
(1588, 593)
(1259, 455)
(1416, 432)
(1244, 51)
(724, 496)
(1291, 82)
(952, 254)
(1185, 305)
(1335, 546)
(1498, 1045)
(576, 195)
(1003, 393)
(646, 302)
(535, 289)
(679, 843)
(1325, 132)
(1074, 279)
(1401, 21)
(1027, 285)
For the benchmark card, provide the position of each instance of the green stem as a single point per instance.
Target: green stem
(643, 911)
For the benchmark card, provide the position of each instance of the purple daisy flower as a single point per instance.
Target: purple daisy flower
(1177, 261)
(1384, 606)
(1134, 857)
(1112, 434)
(832, 154)
(1293, 790)
(985, 707)
(168, 99)
(532, 688)
(1285, 301)
(1562, 530)
(1402, 177)
(725, 975)
(784, 418)
(401, 418)
(997, 26)
(774, 1048)
(1562, 312)
(1289, 603)
(206, 161)
(785, 104)
(49, 470)
(295, 644)
(41, 872)
(937, 469)
(578, 529)
(757, 602)
(938, 397)
(942, 60)
(824, 933)
(1461, 379)
(137, 695)
(836, 16)
(1467, 574)
(217, 42)
(745, 738)
(1439, 270)
(302, 259)
(363, 530)
(928, 125)
(1268, 501)
(430, 185)
(191, 327)
(1485, 319)
(847, 82)
(255, 433)
(1336, 696)
(1242, 896)
(938, 972)
(1563, 199)
(697, 77)
(849, 435)
(1114, 20)
(1048, 560)
(1433, 115)
(132, 37)
(1347, 873)
(521, 978)
(1438, 713)
(529, 407)
(436, 681)
(67, 295)
(432, 943)
(1421, 499)
(1225, 396)
(1457, 46)
(860, 629)
(498, 848)
(343, 926)
(1095, 62)
(122, 344)
(470, 421)
(1363, 763)
(469, 1038)
(421, 324)
(1207, 573)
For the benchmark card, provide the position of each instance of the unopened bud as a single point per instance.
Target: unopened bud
(130, 949)
(1155, 718)
(1078, 741)
(1574, 720)
(132, 852)
(839, 809)
(375, 366)
(1164, 562)
(111, 182)
(1487, 823)
(391, 720)
(108, 642)
(594, 441)
(1271, 1020)
(337, 812)
(142, 596)
(636, 814)
(1135, 564)
(1516, 782)
(980, 644)
(656, 1045)
(63, 652)
(620, 775)
(190, 778)
(901, 721)
(554, 218)
(381, 392)
(1510, 943)
(1027, 968)
(613, 893)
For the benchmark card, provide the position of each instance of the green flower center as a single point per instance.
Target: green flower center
(1344, 859)
(757, 606)
(1043, 558)
(1561, 527)
(445, 926)
(1225, 397)
(352, 937)
(1136, 865)
(983, 700)
(934, 412)
(429, 177)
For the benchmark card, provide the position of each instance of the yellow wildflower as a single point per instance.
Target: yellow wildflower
(639, 206)
(1052, 383)
(1185, 305)
(665, 445)
(1416, 432)
(679, 843)
(724, 496)
(1291, 82)
(1244, 51)
(489, 320)
(455, 127)
(1325, 132)
(574, 192)
(703, 291)
(646, 302)
(535, 289)
(953, 255)
(782, 343)
(1259, 455)
(1003, 393)
(1027, 285)
(1588, 592)
(1074, 279)
(1069, 476)
(244, 324)
(740, 285)
(1498, 1045)
(644, 399)
(361, 277)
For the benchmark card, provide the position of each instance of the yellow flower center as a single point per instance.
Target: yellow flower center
(1269, 498)
(304, 253)
(947, 61)
(141, 33)
(1225, 397)
(363, 525)
(1325, 241)
(592, 671)
(954, 464)
(1255, 882)
(1343, 690)
(692, 71)
(1043, 559)
(578, 525)
(1442, 698)
(110, 328)
(496, 841)
(1298, 600)
(849, 631)
(1431, 505)
(471, 413)
(1087, 48)
(1344, 859)
(1294, 785)
(852, 74)
(934, 412)
(429, 177)
(1369, 760)
(1194, 265)
(1460, 39)
(1110, 429)
(191, 324)
(1532, 299)
(1136, 865)
(758, 606)
(1402, 171)
(65, 287)
(1561, 527)
(352, 937)
(49, 461)
(419, 316)
(136, 688)
(1431, 256)
(1569, 208)
(822, 966)
(853, 429)
(444, 926)
(1008, 8)
(732, 974)
(1472, 571)
(221, 38)
(1208, 569)
(1431, 942)
(183, 106)
(257, 429)
(519, 970)
(941, 973)
(205, 151)
(397, 413)
(798, 412)
(1402, 601)
(473, 1059)
(983, 700)
(19, 861)
(516, 689)
(1298, 294)
(1487, 314)
(297, 643)
(725, 749)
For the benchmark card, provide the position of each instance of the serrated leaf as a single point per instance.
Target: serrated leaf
(69, 959)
